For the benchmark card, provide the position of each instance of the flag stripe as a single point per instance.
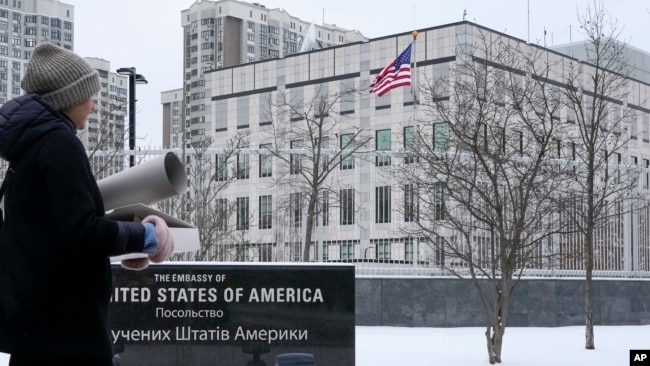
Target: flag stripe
(396, 74)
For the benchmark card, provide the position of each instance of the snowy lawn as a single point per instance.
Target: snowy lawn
(563, 346)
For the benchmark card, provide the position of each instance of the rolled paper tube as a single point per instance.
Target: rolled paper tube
(152, 181)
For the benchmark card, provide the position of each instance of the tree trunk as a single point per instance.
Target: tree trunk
(589, 311)
(494, 336)
(309, 225)
(495, 331)
(589, 262)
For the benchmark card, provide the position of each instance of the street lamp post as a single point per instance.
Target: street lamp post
(134, 78)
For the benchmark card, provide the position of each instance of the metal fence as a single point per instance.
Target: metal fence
(622, 247)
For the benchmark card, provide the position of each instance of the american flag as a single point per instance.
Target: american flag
(395, 74)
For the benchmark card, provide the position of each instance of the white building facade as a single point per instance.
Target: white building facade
(237, 100)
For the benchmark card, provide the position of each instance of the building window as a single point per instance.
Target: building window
(243, 166)
(347, 160)
(411, 206)
(646, 175)
(323, 153)
(323, 208)
(242, 213)
(266, 211)
(440, 136)
(382, 204)
(438, 201)
(295, 209)
(570, 114)
(207, 45)
(383, 249)
(295, 160)
(222, 214)
(347, 250)
(347, 207)
(439, 251)
(520, 142)
(221, 168)
(266, 161)
(324, 251)
(410, 139)
(408, 249)
(382, 143)
(556, 146)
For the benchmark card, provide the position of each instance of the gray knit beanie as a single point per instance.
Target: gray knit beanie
(60, 77)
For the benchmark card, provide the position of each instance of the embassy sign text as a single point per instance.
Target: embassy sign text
(294, 306)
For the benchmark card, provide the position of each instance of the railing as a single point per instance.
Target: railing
(618, 253)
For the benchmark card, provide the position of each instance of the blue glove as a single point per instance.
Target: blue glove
(150, 239)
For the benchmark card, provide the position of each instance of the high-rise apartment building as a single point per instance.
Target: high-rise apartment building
(27, 23)
(106, 123)
(23, 25)
(226, 33)
(172, 105)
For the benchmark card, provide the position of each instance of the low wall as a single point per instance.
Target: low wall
(449, 302)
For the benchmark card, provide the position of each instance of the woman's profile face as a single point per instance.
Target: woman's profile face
(79, 113)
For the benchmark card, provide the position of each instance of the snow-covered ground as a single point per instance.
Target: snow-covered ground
(563, 346)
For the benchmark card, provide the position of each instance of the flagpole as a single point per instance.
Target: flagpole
(414, 86)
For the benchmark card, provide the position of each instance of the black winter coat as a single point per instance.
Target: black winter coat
(55, 243)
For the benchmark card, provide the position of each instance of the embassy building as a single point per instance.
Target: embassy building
(365, 213)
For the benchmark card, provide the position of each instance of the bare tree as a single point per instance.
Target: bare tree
(204, 204)
(104, 138)
(483, 171)
(596, 94)
(311, 137)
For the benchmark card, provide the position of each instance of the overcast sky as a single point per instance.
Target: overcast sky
(146, 34)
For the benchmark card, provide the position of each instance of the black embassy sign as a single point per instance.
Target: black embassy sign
(198, 314)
